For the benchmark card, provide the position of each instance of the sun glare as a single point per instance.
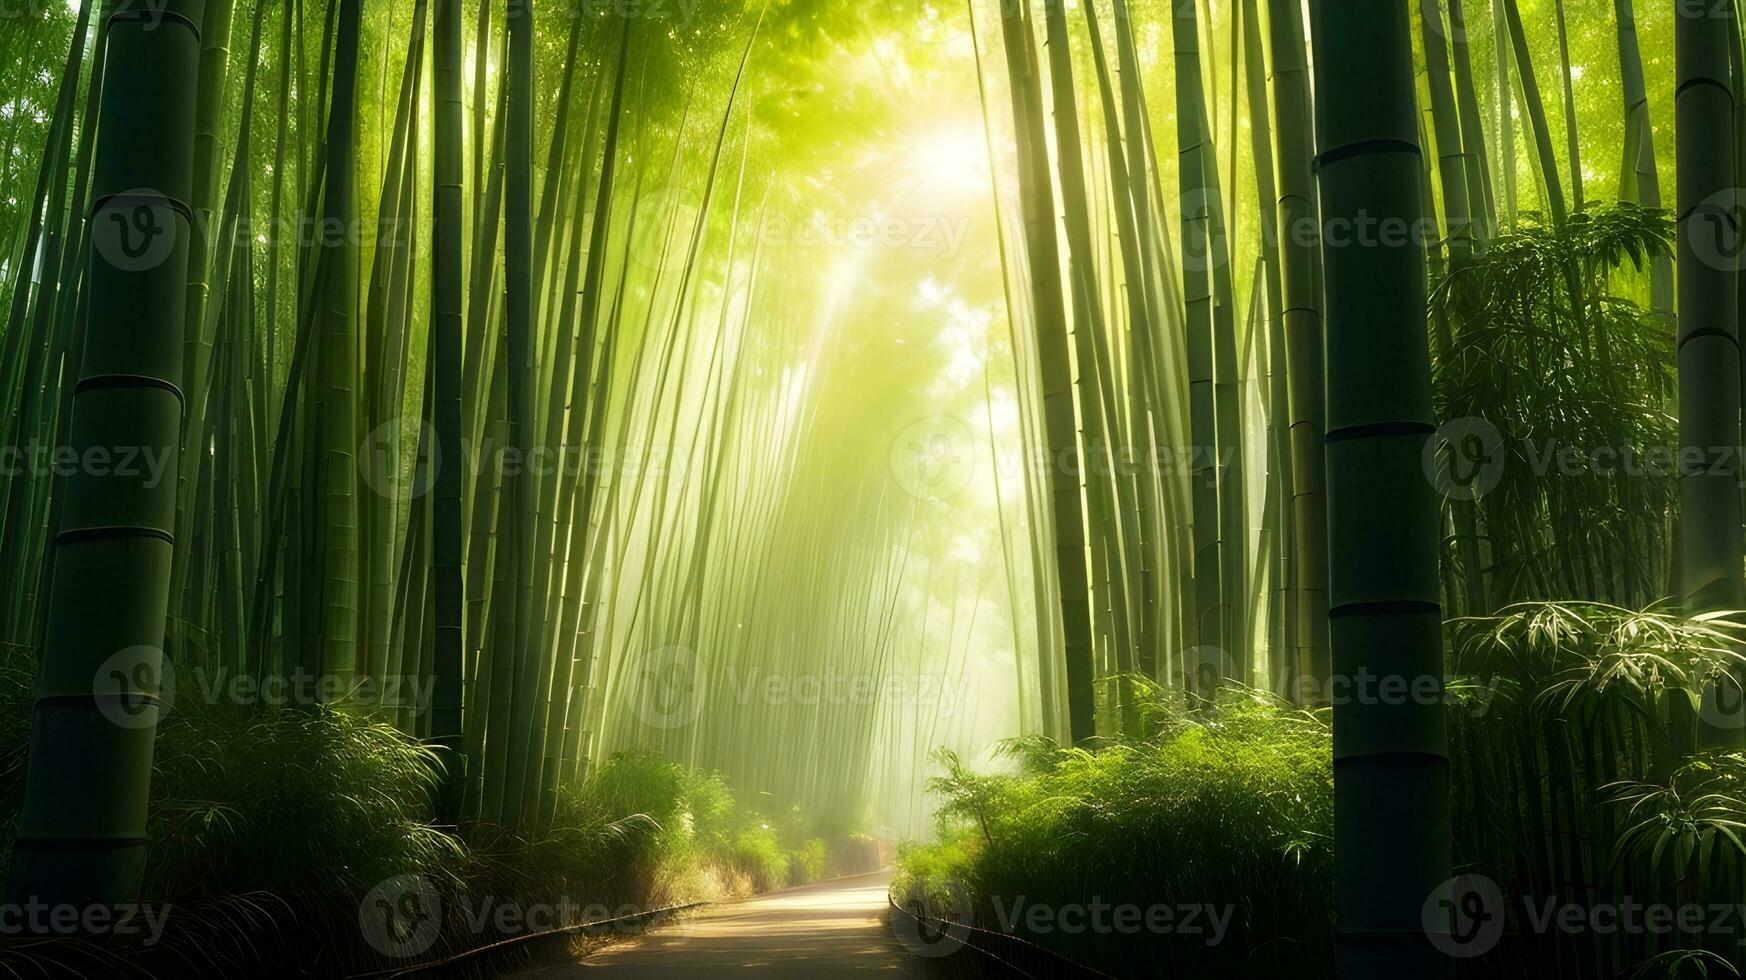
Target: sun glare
(953, 158)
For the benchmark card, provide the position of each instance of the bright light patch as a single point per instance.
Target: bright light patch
(953, 158)
(965, 550)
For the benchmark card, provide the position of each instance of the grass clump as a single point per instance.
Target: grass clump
(1228, 810)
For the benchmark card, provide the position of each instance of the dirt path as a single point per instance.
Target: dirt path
(833, 929)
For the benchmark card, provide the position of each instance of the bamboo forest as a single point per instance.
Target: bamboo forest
(1057, 489)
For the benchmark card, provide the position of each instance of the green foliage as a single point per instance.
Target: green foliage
(290, 801)
(694, 821)
(1232, 807)
(1564, 785)
(1567, 780)
(1557, 389)
(1693, 820)
(272, 825)
(34, 48)
(1594, 663)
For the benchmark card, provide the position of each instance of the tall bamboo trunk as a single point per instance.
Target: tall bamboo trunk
(1573, 145)
(449, 598)
(1391, 764)
(1504, 105)
(82, 829)
(1281, 485)
(1454, 173)
(335, 399)
(1107, 498)
(1710, 532)
(209, 109)
(1042, 248)
(1211, 551)
(1551, 183)
(1481, 197)
(520, 346)
(1301, 312)
(1639, 178)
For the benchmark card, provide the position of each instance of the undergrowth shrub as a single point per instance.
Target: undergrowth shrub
(274, 834)
(1579, 788)
(1229, 810)
(1578, 782)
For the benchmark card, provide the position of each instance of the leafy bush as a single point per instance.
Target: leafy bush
(1576, 778)
(1230, 809)
(1538, 353)
(269, 828)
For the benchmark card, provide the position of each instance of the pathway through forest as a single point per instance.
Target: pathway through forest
(832, 929)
